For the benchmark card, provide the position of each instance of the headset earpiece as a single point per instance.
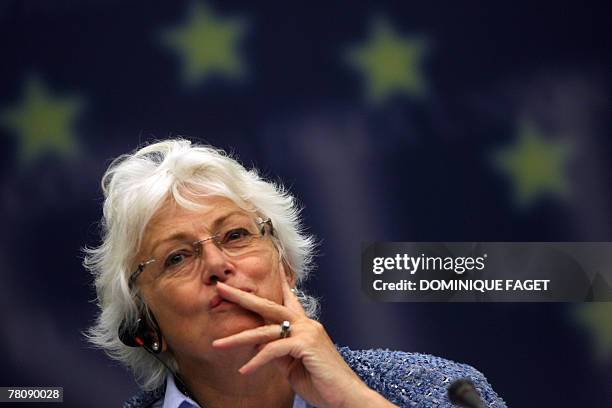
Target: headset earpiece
(142, 336)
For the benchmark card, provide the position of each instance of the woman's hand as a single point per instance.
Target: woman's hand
(307, 357)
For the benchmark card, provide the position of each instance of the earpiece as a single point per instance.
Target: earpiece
(144, 335)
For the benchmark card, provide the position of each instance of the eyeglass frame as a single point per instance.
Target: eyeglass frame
(141, 266)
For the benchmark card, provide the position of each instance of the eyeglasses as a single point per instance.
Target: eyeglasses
(235, 239)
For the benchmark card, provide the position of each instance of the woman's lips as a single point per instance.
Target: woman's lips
(215, 301)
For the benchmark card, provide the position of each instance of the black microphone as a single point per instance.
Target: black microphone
(463, 393)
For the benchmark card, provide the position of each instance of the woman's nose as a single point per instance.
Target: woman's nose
(216, 265)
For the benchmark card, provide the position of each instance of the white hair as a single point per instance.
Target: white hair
(135, 186)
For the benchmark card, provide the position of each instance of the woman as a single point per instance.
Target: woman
(197, 279)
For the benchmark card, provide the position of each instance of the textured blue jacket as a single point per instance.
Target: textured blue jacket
(406, 379)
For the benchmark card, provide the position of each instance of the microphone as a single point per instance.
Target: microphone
(463, 393)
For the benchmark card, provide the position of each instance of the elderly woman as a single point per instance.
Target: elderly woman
(198, 278)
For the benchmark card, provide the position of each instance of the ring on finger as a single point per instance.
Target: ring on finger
(285, 329)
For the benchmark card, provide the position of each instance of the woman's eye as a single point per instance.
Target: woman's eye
(236, 235)
(175, 259)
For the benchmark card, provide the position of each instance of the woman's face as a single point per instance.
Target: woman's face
(184, 300)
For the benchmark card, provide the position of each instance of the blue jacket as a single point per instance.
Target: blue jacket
(406, 379)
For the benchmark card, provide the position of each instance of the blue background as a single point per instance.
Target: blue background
(418, 161)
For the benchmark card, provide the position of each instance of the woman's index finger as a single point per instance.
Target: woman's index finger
(268, 309)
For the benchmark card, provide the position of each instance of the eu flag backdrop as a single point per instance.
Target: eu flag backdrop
(393, 121)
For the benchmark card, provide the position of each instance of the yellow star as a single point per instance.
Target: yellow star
(595, 317)
(389, 63)
(207, 45)
(536, 166)
(43, 123)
